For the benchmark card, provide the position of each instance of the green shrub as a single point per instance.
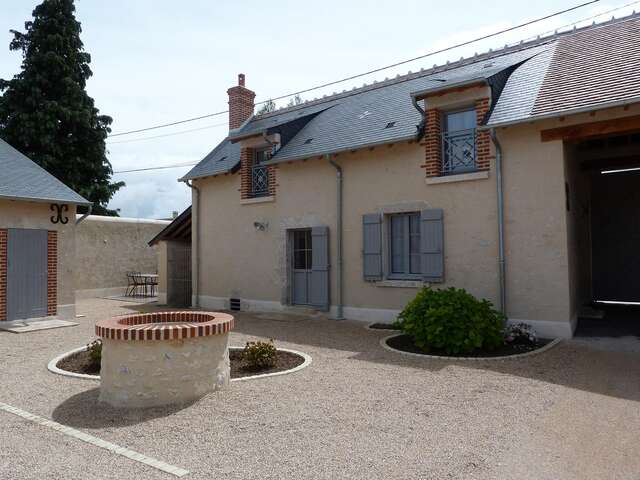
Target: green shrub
(259, 355)
(95, 354)
(452, 320)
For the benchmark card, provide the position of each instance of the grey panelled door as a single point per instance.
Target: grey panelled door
(178, 274)
(26, 273)
(301, 266)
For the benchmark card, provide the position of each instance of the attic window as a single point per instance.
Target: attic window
(221, 159)
(308, 141)
(390, 125)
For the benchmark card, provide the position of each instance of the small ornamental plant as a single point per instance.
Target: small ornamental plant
(453, 321)
(519, 334)
(259, 355)
(95, 354)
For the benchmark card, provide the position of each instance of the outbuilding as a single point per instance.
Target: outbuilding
(37, 240)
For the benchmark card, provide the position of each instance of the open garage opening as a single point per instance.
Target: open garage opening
(603, 233)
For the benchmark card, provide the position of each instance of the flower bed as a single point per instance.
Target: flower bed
(405, 343)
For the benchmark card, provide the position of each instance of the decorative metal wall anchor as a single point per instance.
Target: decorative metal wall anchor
(58, 216)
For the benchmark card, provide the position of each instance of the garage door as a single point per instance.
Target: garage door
(26, 273)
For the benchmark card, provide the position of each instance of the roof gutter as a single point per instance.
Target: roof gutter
(575, 111)
(43, 200)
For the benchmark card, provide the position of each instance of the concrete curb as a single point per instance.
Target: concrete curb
(52, 366)
(368, 327)
(383, 344)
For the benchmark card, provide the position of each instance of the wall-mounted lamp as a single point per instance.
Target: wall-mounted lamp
(260, 226)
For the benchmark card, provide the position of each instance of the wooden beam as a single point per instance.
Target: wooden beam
(593, 129)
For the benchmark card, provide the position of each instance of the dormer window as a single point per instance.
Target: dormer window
(260, 172)
(459, 142)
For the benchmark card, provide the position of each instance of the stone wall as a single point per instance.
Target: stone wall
(108, 247)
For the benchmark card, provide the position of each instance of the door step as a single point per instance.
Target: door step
(33, 325)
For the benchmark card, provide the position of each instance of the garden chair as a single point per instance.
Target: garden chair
(133, 284)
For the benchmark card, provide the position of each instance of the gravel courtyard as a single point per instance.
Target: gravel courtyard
(358, 411)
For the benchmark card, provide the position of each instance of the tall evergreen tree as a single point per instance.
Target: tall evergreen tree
(45, 111)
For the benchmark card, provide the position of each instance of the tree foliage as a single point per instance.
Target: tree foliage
(268, 106)
(296, 100)
(45, 111)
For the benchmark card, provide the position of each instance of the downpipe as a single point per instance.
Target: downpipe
(500, 197)
(339, 180)
(195, 263)
(85, 215)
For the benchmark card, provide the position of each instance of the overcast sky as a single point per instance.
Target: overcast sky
(156, 63)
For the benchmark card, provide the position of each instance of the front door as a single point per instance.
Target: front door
(26, 273)
(301, 266)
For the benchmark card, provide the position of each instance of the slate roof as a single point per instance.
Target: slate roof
(178, 229)
(586, 70)
(224, 158)
(552, 75)
(23, 179)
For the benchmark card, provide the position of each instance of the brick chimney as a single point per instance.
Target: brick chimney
(240, 103)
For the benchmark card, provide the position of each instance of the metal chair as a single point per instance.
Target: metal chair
(133, 283)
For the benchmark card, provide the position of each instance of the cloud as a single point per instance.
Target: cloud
(152, 196)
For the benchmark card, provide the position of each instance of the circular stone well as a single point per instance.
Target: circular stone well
(164, 358)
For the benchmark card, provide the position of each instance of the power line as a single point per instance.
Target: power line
(585, 19)
(533, 37)
(170, 124)
(174, 133)
(164, 167)
(376, 70)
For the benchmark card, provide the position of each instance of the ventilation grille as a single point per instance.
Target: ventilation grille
(234, 304)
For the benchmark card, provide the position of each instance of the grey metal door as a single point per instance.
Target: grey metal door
(26, 273)
(301, 266)
(179, 274)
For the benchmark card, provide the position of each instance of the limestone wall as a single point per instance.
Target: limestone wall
(108, 247)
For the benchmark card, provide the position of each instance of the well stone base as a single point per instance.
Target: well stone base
(162, 372)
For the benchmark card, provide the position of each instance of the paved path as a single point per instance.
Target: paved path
(358, 411)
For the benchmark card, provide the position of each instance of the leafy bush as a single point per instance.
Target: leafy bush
(452, 320)
(95, 354)
(259, 355)
(520, 334)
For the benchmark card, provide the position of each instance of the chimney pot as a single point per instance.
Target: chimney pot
(241, 79)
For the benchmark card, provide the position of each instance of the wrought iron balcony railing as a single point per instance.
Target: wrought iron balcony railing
(458, 151)
(259, 180)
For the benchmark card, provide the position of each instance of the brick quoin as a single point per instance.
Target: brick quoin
(3, 274)
(483, 139)
(432, 143)
(52, 272)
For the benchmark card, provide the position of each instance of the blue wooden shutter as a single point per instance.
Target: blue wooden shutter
(319, 282)
(432, 245)
(372, 246)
